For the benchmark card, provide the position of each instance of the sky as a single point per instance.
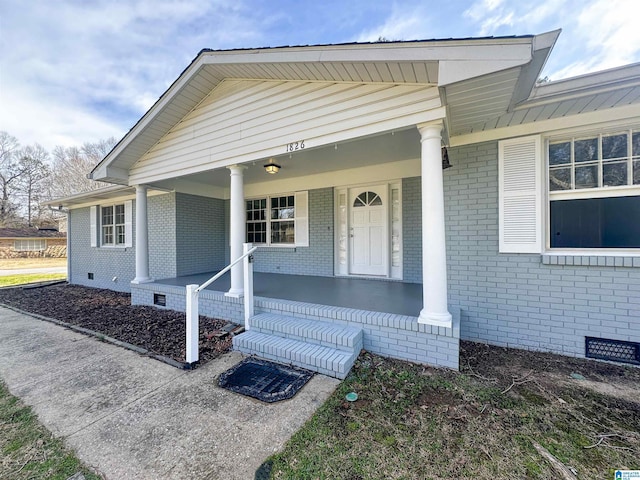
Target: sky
(76, 71)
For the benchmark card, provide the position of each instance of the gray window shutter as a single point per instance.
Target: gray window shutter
(302, 219)
(520, 195)
(93, 225)
(128, 223)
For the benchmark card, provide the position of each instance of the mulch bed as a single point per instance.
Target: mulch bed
(162, 332)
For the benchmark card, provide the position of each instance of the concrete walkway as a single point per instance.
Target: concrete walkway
(131, 417)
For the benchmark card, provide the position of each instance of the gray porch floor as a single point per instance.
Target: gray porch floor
(372, 295)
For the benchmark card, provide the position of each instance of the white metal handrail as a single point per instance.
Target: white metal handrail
(225, 270)
(193, 292)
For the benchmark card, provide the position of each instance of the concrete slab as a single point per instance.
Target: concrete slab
(133, 417)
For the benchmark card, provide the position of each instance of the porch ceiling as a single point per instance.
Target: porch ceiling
(382, 149)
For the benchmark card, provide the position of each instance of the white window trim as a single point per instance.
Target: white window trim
(95, 221)
(300, 219)
(598, 192)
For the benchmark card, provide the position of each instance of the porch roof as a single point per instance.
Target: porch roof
(479, 78)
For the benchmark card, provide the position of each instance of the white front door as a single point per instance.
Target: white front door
(368, 231)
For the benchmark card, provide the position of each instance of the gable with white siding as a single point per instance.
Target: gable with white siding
(244, 120)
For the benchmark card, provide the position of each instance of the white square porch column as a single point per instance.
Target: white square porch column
(434, 252)
(236, 229)
(142, 236)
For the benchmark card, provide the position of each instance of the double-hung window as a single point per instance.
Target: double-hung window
(277, 220)
(111, 225)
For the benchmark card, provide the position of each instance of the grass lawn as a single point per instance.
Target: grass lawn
(28, 450)
(485, 422)
(16, 263)
(11, 280)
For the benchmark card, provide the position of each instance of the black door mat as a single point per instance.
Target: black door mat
(267, 381)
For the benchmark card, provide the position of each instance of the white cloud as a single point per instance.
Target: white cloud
(402, 24)
(80, 71)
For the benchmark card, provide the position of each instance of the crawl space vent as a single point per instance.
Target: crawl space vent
(614, 350)
(159, 299)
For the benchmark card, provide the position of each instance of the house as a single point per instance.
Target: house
(32, 242)
(330, 159)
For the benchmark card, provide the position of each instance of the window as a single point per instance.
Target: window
(595, 161)
(277, 220)
(589, 187)
(594, 189)
(113, 225)
(30, 245)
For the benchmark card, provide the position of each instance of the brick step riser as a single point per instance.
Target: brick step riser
(316, 332)
(324, 360)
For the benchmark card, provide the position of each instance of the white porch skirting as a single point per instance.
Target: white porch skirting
(387, 334)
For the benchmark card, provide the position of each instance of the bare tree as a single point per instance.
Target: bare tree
(10, 172)
(32, 181)
(71, 165)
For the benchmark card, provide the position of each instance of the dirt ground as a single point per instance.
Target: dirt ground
(111, 313)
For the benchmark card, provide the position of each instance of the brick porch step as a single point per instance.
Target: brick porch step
(318, 346)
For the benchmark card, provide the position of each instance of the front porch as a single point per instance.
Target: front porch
(386, 311)
(350, 293)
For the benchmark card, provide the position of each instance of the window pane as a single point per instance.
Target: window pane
(560, 179)
(282, 232)
(614, 146)
(635, 144)
(587, 177)
(559, 153)
(290, 201)
(107, 235)
(120, 214)
(120, 235)
(107, 215)
(375, 201)
(595, 223)
(636, 172)
(586, 150)
(287, 213)
(614, 174)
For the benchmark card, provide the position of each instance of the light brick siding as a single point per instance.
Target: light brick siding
(397, 336)
(200, 234)
(186, 236)
(161, 213)
(317, 258)
(104, 263)
(519, 300)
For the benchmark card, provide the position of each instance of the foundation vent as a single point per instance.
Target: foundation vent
(613, 350)
(160, 299)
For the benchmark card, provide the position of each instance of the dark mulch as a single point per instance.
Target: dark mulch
(111, 313)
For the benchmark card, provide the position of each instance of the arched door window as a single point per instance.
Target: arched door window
(367, 199)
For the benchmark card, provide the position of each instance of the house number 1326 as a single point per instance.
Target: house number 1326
(292, 147)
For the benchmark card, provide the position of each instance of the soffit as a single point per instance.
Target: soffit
(597, 92)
